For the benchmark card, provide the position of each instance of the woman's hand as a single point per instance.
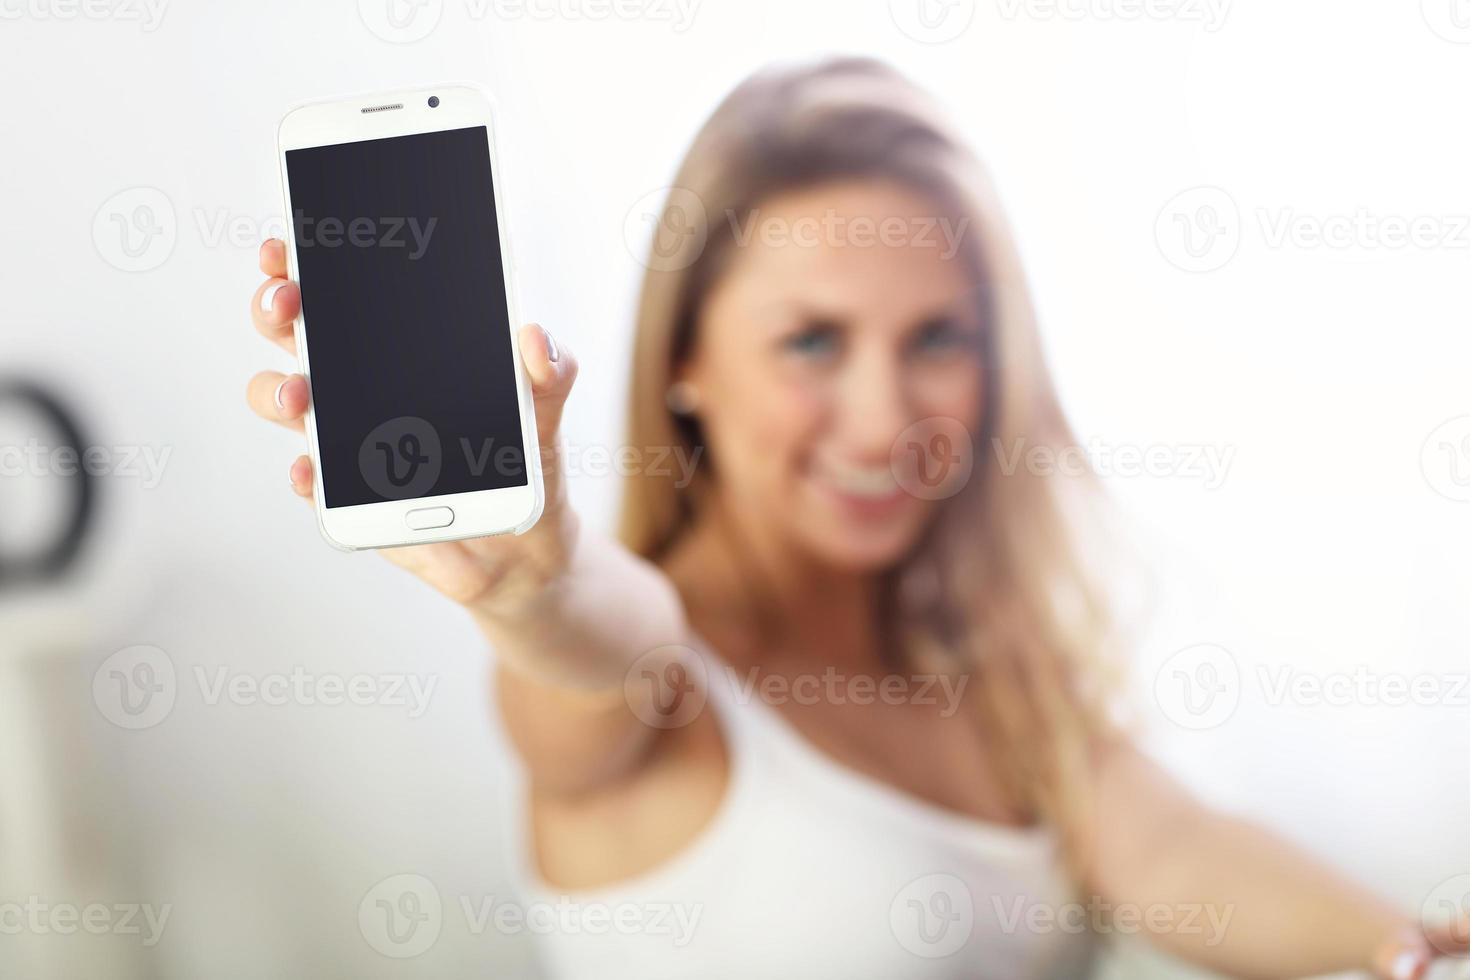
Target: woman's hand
(496, 577)
(1410, 956)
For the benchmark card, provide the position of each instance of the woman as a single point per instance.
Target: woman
(834, 319)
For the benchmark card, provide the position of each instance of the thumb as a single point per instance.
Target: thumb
(553, 370)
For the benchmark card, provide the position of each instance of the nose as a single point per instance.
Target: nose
(874, 404)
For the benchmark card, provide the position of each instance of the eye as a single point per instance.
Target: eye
(816, 339)
(943, 335)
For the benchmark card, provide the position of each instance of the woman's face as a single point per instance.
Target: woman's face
(845, 317)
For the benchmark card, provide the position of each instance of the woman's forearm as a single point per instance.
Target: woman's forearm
(586, 626)
(565, 654)
(1225, 893)
(1284, 914)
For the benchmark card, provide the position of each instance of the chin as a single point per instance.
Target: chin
(859, 549)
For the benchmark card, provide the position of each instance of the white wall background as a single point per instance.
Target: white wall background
(1334, 541)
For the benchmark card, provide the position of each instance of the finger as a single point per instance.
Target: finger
(274, 308)
(279, 398)
(273, 258)
(302, 476)
(553, 371)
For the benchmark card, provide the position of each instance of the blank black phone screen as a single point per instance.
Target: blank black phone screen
(407, 328)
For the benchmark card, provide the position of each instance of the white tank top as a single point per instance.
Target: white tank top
(810, 869)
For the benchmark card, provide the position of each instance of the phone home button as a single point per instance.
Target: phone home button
(429, 517)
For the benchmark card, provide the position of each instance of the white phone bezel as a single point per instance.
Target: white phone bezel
(477, 513)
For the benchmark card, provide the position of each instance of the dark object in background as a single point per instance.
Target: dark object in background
(52, 560)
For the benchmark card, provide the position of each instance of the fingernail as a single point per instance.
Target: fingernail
(1407, 965)
(269, 296)
(552, 354)
(281, 405)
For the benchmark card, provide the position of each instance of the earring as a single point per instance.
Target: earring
(682, 398)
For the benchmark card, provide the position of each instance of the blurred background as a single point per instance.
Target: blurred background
(1248, 230)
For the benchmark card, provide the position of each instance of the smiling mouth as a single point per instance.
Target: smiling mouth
(863, 483)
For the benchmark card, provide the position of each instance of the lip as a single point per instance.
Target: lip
(865, 508)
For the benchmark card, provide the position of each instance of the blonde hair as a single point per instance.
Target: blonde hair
(998, 587)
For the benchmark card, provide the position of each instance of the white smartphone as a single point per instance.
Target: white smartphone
(421, 424)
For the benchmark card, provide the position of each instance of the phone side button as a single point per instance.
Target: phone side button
(429, 517)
